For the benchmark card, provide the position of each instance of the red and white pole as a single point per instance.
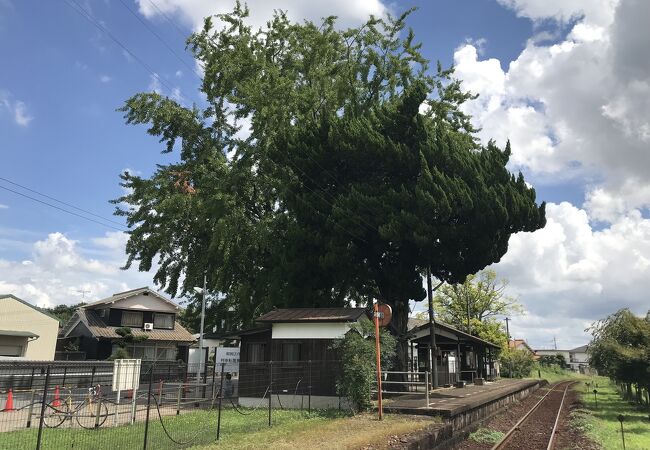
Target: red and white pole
(378, 352)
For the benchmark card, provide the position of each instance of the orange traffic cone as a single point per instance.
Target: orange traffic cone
(57, 398)
(9, 406)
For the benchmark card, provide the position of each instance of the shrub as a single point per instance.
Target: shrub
(515, 363)
(551, 360)
(486, 436)
(359, 369)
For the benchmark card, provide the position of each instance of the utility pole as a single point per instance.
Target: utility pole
(508, 329)
(83, 293)
(469, 326)
(203, 292)
(432, 332)
(555, 342)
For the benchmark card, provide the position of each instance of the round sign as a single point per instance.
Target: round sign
(384, 313)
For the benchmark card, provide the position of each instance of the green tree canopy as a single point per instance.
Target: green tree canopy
(620, 348)
(63, 312)
(476, 305)
(344, 190)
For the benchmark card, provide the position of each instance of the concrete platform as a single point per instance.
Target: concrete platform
(451, 402)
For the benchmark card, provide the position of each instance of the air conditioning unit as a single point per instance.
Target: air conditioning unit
(148, 326)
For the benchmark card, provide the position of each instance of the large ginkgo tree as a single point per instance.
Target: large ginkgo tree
(326, 167)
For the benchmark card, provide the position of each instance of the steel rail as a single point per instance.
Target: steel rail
(506, 438)
(551, 441)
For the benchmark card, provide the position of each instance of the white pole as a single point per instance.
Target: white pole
(117, 406)
(205, 282)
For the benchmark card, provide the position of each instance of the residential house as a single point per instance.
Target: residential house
(520, 344)
(26, 332)
(94, 327)
(579, 360)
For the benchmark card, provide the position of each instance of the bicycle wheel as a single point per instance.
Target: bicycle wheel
(86, 415)
(54, 416)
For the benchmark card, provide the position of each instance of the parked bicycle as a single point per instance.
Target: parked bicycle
(89, 413)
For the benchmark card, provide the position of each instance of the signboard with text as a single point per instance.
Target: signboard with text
(228, 356)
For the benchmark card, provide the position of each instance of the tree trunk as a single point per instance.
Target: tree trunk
(399, 328)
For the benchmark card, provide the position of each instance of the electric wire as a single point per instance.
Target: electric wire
(89, 17)
(93, 20)
(62, 209)
(60, 201)
(163, 41)
(171, 22)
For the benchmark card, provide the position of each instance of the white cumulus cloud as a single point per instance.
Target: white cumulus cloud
(193, 12)
(577, 108)
(58, 268)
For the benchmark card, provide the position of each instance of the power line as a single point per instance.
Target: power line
(171, 22)
(90, 18)
(61, 209)
(164, 42)
(61, 201)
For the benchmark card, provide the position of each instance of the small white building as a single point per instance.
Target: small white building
(577, 359)
(26, 332)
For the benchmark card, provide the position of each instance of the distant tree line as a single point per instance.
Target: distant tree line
(620, 350)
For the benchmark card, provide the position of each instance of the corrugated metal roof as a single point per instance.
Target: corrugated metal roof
(98, 328)
(455, 331)
(313, 315)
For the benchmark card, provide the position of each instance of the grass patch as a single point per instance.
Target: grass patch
(197, 429)
(554, 374)
(601, 423)
(486, 436)
(337, 434)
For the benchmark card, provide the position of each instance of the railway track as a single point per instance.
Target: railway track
(537, 429)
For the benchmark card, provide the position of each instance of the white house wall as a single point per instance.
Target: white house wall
(17, 316)
(323, 330)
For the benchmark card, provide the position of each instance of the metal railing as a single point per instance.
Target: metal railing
(412, 381)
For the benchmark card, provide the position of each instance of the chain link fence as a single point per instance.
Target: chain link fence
(73, 405)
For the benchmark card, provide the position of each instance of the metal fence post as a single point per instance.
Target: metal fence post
(309, 387)
(135, 381)
(65, 372)
(178, 398)
(31, 409)
(205, 379)
(146, 423)
(43, 403)
(270, 388)
(98, 412)
(223, 365)
(426, 389)
(214, 373)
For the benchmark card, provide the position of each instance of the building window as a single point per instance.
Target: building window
(165, 321)
(166, 353)
(132, 319)
(11, 350)
(291, 352)
(256, 353)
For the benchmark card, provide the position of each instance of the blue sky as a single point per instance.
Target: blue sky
(61, 81)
